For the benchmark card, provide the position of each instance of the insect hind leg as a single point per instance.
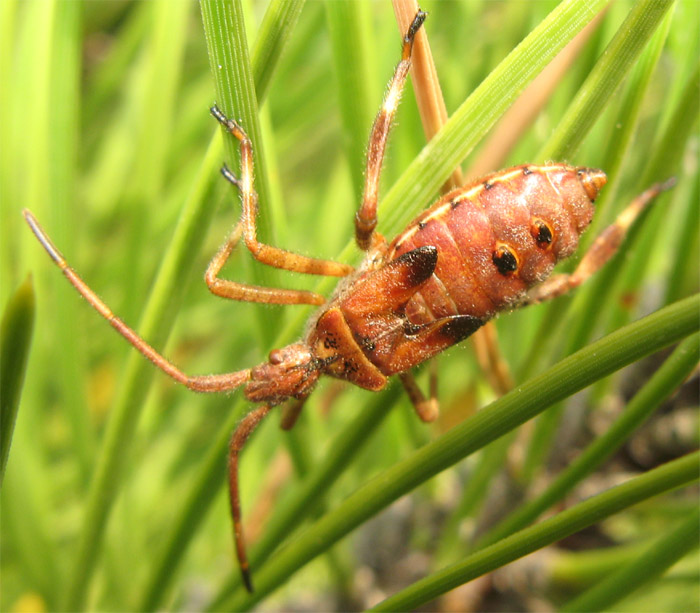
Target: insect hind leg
(603, 248)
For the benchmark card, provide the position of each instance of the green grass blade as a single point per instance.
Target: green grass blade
(276, 28)
(348, 25)
(661, 385)
(229, 60)
(672, 475)
(603, 81)
(567, 377)
(15, 339)
(648, 565)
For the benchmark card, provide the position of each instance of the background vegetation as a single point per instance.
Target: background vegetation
(114, 496)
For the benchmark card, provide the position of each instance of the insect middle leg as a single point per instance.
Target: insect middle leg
(602, 249)
(366, 217)
(427, 409)
(266, 254)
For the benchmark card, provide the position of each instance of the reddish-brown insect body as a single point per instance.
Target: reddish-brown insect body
(479, 250)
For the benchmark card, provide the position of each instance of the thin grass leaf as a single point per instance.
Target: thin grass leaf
(15, 339)
(603, 81)
(648, 565)
(675, 474)
(661, 385)
(63, 114)
(348, 26)
(277, 26)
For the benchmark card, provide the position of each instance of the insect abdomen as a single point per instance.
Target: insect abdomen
(498, 237)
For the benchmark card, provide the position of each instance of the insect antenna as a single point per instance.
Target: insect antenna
(203, 383)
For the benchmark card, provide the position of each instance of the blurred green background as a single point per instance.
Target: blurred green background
(114, 494)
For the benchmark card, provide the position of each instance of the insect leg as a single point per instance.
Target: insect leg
(203, 383)
(602, 249)
(250, 293)
(272, 256)
(366, 217)
(428, 409)
(240, 435)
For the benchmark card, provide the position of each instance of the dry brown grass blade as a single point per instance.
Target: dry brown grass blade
(520, 116)
(433, 112)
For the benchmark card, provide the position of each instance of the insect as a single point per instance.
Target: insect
(480, 249)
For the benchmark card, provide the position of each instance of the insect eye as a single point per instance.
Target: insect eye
(542, 233)
(505, 260)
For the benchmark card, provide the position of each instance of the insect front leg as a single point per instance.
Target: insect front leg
(266, 254)
(366, 217)
(602, 249)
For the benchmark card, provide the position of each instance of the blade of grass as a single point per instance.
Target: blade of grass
(603, 81)
(227, 46)
(670, 476)
(648, 565)
(277, 26)
(15, 339)
(63, 111)
(348, 27)
(661, 385)
(491, 462)
(567, 377)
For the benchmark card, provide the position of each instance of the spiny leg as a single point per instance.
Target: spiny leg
(272, 256)
(366, 217)
(204, 383)
(602, 249)
(240, 435)
(242, 291)
(427, 409)
(250, 293)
